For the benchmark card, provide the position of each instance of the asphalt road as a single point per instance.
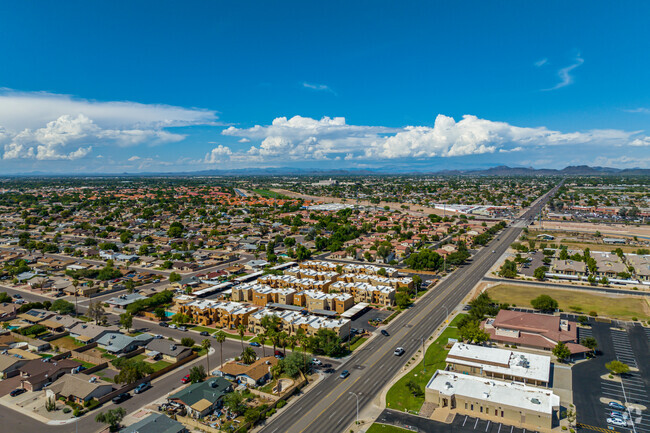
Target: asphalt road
(331, 405)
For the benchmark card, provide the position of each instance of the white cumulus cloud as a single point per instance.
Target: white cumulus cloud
(218, 154)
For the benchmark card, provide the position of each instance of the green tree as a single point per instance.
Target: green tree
(508, 269)
(188, 341)
(589, 343)
(130, 286)
(112, 417)
(174, 277)
(180, 318)
(471, 332)
(126, 321)
(234, 401)
(294, 363)
(544, 303)
(131, 371)
(62, 306)
(617, 367)
(561, 351)
(540, 273)
(160, 313)
(197, 374)
(402, 300)
(241, 329)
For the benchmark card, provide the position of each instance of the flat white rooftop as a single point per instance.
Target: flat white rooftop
(519, 364)
(494, 391)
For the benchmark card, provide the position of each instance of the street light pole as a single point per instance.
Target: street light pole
(354, 394)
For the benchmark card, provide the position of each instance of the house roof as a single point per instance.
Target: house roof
(212, 390)
(155, 423)
(76, 386)
(116, 342)
(255, 371)
(166, 347)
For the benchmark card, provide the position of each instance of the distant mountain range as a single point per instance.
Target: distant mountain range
(502, 170)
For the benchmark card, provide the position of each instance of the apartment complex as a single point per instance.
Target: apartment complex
(227, 315)
(292, 321)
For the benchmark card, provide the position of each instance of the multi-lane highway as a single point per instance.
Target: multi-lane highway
(331, 405)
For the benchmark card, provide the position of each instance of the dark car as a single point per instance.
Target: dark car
(279, 354)
(329, 371)
(163, 324)
(17, 391)
(467, 307)
(17, 296)
(254, 344)
(120, 398)
(384, 333)
(344, 374)
(204, 333)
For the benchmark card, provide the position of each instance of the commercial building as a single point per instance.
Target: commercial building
(497, 363)
(537, 331)
(509, 403)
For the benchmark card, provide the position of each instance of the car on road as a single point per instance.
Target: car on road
(156, 281)
(344, 374)
(17, 391)
(316, 361)
(384, 333)
(254, 344)
(204, 333)
(493, 251)
(617, 421)
(120, 398)
(172, 326)
(185, 379)
(182, 328)
(399, 351)
(142, 387)
(615, 405)
(163, 324)
(17, 296)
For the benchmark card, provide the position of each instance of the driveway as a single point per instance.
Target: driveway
(8, 385)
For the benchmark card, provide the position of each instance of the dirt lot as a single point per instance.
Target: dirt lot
(65, 343)
(604, 229)
(396, 206)
(615, 305)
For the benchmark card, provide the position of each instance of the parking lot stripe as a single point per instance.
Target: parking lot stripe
(476, 423)
(487, 426)
(465, 420)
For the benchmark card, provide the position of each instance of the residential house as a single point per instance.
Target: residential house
(35, 374)
(254, 374)
(156, 423)
(200, 399)
(168, 350)
(78, 388)
(116, 343)
(89, 333)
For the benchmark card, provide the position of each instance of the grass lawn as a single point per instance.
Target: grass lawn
(203, 328)
(357, 343)
(383, 428)
(159, 365)
(66, 343)
(399, 396)
(615, 306)
(84, 363)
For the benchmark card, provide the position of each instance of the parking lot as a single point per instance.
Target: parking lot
(592, 389)
(461, 424)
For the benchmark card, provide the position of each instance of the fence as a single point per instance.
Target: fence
(80, 354)
(55, 336)
(98, 367)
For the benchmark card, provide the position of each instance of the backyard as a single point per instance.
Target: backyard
(614, 306)
(400, 396)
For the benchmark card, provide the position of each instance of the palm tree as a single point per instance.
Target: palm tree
(206, 344)
(292, 340)
(282, 340)
(221, 338)
(242, 330)
(248, 356)
(75, 284)
(302, 339)
(262, 337)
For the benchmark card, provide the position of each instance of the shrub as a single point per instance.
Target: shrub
(563, 427)
(66, 410)
(634, 319)
(281, 404)
(593, 313)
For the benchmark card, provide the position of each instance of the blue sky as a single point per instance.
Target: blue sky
(117, 86)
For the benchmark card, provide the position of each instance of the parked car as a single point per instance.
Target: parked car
(163, 324)
(142, 387)
(182, 328)
(17, 391)
(157, 336)
(330, 371)
(278, 354)
(204, 333)
(156, 281)
(185, 379)
(344, 374)
(172, 326)
(59, 294)
(617, 414)
(254, 344)
(20, 301)
(120, 398)
(615, 405)
(316, 361)
(617, 421)
(384, 333)
(17, 296)
(399, 351)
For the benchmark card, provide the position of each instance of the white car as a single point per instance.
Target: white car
(172, 326)
(399, 351)
(616, 421)
(316, 361)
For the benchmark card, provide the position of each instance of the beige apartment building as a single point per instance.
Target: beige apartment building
(227, 315)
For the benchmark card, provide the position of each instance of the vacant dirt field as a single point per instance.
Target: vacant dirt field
(614, 305)
(604, 229)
